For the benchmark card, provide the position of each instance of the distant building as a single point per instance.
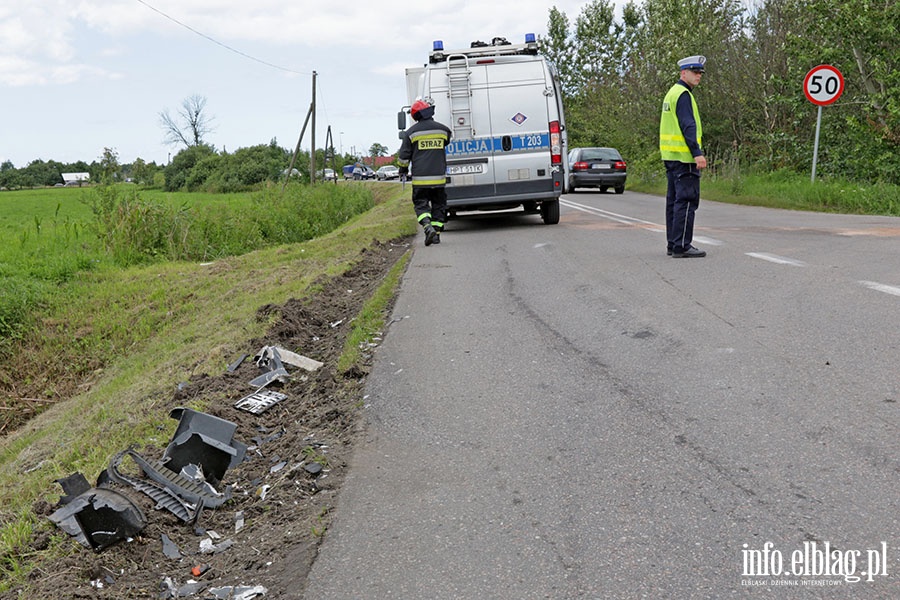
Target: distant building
(73, 179)
(380, 161)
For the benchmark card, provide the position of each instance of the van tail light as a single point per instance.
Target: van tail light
(555, 144)
(580, 166)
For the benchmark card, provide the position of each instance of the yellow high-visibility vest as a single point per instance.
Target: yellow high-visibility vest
(671, 141)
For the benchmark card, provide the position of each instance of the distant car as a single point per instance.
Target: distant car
(601, 168)
(387, 172)
(326, 175)
(358, 171)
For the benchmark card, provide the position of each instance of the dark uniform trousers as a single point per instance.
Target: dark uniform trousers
(682, 200)
(431, 202)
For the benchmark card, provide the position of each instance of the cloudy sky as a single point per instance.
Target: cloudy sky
(77, 76)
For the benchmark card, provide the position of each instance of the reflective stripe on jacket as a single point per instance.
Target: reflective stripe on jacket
(672, 145)
(423, 145)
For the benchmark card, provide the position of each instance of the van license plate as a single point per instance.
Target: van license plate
(465, 169)
(600, 166)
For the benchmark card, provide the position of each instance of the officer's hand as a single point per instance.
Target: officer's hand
(701, 162)
(404, 172)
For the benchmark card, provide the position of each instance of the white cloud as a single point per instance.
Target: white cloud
(122, 62)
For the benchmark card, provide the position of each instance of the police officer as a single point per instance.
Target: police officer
(423, 145)
(680, 144)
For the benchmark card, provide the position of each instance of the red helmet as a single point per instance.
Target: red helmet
(419, 109)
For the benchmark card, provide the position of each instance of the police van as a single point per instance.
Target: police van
(502, 102)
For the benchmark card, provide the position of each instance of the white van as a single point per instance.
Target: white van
(503, 103)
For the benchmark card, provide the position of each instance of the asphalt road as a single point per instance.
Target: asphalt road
(566, 412)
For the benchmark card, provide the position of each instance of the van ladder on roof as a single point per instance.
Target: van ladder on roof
(460, 95)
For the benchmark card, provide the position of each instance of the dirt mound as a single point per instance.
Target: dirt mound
(283, 493)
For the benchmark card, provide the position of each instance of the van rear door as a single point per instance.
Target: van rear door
(519, 100)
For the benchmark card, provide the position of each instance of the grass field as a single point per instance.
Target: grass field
(783, 189)
(110, 341)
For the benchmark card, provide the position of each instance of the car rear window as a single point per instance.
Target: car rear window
(600, 154)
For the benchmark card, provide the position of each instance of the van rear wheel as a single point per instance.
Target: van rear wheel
(550, 212)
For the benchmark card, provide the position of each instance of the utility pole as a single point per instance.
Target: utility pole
(311, 113)
(312, 135)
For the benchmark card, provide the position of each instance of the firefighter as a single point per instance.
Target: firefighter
(422, 146)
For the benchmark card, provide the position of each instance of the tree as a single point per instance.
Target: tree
(559, 50)
(109, 166)
(143, 173)
(378, 150)
(177, 171)
(190, 125)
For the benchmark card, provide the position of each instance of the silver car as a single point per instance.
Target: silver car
(601, 168)
(387, 172)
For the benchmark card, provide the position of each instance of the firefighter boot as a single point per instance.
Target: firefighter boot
(431, 235)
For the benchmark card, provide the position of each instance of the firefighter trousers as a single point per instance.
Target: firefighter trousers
(430, 203)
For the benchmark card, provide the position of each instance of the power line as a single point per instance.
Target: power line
(226, 46)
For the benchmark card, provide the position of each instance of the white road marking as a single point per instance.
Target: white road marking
(706, 240)
(780, 260)
(626, 220)
(880, 287)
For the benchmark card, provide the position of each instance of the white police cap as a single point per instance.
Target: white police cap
(694, 63)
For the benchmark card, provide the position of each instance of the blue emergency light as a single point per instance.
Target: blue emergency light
(438, 46)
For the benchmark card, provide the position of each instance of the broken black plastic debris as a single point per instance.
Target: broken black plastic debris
(165, 497)
(204, 440)
(234, 366)
(98, 517)
(169, 548)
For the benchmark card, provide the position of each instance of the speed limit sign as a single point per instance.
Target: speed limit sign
(823, 85)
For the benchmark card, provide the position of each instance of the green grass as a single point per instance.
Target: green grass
(154, 326)
(785, 190)
(370, 321)
(50, 236)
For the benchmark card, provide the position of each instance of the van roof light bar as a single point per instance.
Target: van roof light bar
(498, 47)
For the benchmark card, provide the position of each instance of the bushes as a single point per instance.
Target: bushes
(134, 230)
(201, 168)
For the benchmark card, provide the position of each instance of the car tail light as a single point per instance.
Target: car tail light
(619, 165)
(580, 166)
(555, 144)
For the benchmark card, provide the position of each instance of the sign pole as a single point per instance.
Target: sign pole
(816, 145)
(823, 85)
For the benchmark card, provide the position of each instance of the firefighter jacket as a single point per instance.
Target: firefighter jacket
(423, 145)
(675, 141)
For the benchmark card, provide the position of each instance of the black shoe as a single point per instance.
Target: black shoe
(669, 252)
(430, 234)
(437, 237)
(690, 253)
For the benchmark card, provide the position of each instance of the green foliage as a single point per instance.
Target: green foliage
(370, 321)
(19, 296)
(615, 72)
(201, 168)
(178, 171)
(136, 230)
